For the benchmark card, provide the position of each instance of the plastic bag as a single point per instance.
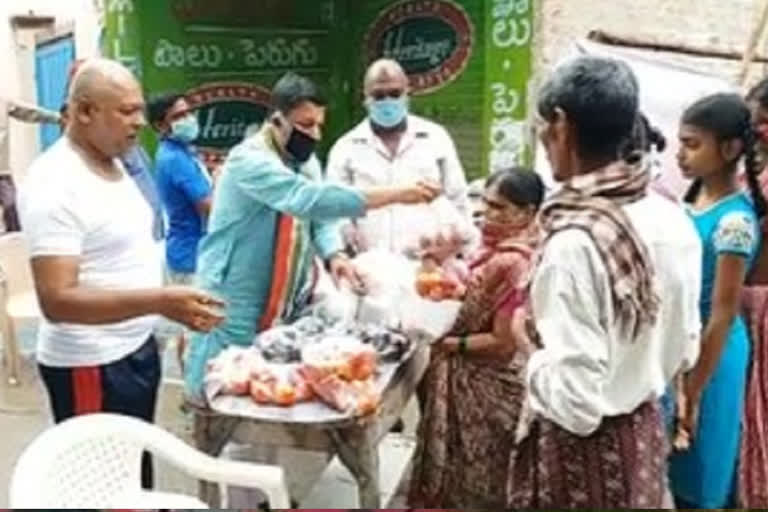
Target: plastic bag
(427, 317)
(279, 384)
(244, 372)
(340, 370)
(344, 356)
(281, 344)
(443, 218)
(230, 372)
(393, 300)
(359, 396)
(390, 344)
(330, 303)
(442, 281)
(389, 277)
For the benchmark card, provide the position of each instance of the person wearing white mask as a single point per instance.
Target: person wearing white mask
(182, 181)
(392, 147)
(185, 189)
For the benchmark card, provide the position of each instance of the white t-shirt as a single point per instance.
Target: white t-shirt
(68, 210)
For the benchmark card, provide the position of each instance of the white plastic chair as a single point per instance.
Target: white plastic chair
(94, 461)
(18, 300)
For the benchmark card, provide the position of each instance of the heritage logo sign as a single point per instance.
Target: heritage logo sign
(432, 39)
(225, 111)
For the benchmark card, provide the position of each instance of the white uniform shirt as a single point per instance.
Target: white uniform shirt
(587, 369)
(68, 210)
(426, 152)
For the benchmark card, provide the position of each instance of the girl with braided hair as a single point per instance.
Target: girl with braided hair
(646, 143)
(753, 463)
(757, 100)
(715, 135)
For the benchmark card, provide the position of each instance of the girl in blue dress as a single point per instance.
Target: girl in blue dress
(715, 135)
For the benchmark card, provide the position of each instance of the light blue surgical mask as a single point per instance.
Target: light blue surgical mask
(388, 112)
(186, 129)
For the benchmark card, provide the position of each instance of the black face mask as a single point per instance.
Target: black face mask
(300, 145)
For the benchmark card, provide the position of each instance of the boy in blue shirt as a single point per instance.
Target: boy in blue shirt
(182, 182)
(184, 188)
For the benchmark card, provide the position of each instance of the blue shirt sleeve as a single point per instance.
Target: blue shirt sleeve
(326, 235)
(265, 178)
(736, 233)
(185, 174)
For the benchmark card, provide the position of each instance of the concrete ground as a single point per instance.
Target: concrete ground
(24, 414)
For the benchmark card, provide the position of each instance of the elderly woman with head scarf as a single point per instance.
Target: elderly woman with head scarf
(470, 395)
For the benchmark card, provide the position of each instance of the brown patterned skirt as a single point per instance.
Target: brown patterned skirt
(470, 409)
(753, 460)
(621, 465)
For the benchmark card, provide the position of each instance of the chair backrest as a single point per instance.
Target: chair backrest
(94, 461)
(15, 263)
(78, 464)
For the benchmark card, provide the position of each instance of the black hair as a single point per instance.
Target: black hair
(654, 139)
(759, 93)
(600, 98)
(292, 90)
(519, 185)
(158, 107)
(727, 117)
(645, 137)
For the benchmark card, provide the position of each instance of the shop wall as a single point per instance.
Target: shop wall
(449, 95)
(714, 24)
(725, 25)
(17, 67)
(469, 62)
(227, 55)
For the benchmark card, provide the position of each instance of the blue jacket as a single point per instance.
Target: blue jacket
(237, 256)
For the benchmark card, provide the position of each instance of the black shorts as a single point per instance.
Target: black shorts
(128, 386)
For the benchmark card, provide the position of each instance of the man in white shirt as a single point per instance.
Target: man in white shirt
(392, 147)
(95, 261)
(615, 306)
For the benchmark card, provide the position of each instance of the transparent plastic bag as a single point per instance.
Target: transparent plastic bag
(442, 218)
(389, 277)
(426, 317)
(332, 304)
(393, 300)
(280, 344)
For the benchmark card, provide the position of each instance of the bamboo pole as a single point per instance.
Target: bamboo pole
(757, 35)
(600, 36)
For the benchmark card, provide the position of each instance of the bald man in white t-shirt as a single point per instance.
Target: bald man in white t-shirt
(96, 264)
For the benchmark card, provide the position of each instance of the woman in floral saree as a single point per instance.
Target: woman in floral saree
(470, 397)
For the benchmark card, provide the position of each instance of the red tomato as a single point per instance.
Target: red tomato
(261, 392)
(285, 394)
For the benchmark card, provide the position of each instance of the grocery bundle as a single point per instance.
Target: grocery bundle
(443, 275)
(314, 359)
(439, 281)
(338, 348)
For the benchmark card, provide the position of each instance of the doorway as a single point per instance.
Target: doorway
(52, 63)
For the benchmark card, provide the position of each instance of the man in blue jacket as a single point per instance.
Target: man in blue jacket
(271, 218)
